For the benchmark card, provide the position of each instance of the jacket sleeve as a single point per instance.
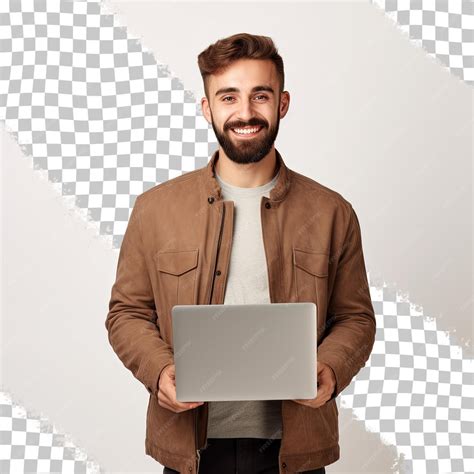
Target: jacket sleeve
(131, 322)
(351, 318)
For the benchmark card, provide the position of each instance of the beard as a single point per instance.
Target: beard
(247, 150)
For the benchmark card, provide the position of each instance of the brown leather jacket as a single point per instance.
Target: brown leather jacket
(176, 250)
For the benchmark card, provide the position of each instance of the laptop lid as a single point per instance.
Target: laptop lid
(245, 351)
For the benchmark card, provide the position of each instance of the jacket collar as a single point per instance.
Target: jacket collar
(277, 193)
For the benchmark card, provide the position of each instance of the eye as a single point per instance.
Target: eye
(262, 95)
(227, 97)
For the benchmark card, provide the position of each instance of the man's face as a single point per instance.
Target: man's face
(245, 108)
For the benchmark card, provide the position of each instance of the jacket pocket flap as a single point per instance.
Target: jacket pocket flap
(313, 262)
(177, 262)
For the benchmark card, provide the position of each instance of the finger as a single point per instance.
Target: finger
(176, 406)
(163, 400)
(172, 375)
(186, 405)
(168, 396)
(301, 400)
(182, 405)
(193, 404)
(196, 404)
(322, 392)
(323, 385)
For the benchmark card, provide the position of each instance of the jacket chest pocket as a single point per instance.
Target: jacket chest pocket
(177, 276)
(311, 281)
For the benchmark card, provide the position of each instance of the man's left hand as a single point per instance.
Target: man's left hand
(326, 384)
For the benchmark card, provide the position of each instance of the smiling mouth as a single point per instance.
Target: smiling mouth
(247, 131)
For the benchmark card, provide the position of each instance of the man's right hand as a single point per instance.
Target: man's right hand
(167, 392)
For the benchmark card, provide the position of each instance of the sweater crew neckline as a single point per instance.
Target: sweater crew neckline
(242, 191)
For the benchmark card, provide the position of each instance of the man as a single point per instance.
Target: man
(243, 229)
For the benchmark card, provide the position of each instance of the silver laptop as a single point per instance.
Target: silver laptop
(245, 351)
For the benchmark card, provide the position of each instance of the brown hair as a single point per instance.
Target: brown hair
(222, 53)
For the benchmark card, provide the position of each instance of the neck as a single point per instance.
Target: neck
(247, 175)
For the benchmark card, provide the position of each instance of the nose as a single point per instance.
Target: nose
(245, 112)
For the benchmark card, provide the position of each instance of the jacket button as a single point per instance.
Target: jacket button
(268, 205)
(190, 468)
(283, 464)
(218, 272)
(210, 199)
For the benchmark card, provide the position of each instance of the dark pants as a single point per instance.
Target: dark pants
(241, 456)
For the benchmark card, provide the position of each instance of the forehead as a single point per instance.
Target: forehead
(245, 74)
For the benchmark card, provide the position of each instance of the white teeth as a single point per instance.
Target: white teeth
(246, 131)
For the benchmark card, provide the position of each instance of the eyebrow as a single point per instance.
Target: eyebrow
(226, 90)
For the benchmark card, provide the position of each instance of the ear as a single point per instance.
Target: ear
(284, 103)
(205, 109)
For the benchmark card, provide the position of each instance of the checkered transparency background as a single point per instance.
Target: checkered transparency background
(103, 121)
(443, 28)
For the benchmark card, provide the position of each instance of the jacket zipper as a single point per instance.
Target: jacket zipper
(272, 300)
(198, 460)
(217, 254)
(198, 453)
